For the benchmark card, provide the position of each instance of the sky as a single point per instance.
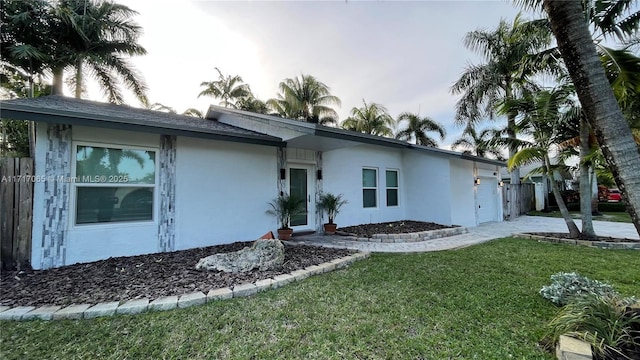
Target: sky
(404, 55)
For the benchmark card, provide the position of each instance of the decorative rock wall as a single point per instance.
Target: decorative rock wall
(56, 195)
(167, 188)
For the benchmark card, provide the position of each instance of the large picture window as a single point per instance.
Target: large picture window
(369, 188)
(114, 184)
(392, 187)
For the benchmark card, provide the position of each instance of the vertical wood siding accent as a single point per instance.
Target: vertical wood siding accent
(56, 195)
(167, 188)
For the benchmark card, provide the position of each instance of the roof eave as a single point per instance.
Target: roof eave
(12, 111)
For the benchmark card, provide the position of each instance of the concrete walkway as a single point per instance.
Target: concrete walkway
(476, 235)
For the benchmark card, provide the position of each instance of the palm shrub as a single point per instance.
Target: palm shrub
(284, 207)
(331, 204)
(605, 322)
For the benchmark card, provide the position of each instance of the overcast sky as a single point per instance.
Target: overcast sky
(403, 55)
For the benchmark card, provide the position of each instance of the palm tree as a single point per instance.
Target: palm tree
(417, 129)
(252, 104)
(228, 89)
(97, 35)
(25, 39)
(305, 98)
(371, 118)
(194, 113)
(606, 19)
(599, 104)
(543, 114)
(501, 77)
(481, 144)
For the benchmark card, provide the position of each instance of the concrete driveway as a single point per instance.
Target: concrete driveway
(476, 235)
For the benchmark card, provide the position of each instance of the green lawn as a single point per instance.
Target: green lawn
(606, 216)
(478, 302)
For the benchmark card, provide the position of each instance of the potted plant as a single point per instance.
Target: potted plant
(331, 204)
(283, 208)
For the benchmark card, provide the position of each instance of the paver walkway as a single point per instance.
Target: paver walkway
(476, 235)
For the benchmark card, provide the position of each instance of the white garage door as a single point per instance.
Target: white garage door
(487, 200)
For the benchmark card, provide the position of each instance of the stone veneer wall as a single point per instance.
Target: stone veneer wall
(167, 188)
(282, 163)
(56, 195)
(319, 213)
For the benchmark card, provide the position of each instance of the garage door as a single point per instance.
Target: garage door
(487, 200)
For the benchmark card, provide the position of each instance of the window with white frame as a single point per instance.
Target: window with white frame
(392, 187)
(113, 184)
(369, 187)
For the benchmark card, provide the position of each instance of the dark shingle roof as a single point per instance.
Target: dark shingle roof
(65, 110)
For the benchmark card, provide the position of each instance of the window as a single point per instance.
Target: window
(392, 187)
(369, 188)
(113, 184)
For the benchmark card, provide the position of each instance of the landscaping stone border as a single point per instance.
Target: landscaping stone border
(407, 237)
(136, 306)
(595, 244)
(569, 348)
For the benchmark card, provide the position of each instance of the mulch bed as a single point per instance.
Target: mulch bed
(598, 238)
(145, 276)
(395, 227)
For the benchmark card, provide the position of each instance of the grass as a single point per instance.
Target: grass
(479, 302)
(606, 215)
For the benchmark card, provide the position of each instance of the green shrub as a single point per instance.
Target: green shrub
(604, 322)
(567, 287)
(612, 207)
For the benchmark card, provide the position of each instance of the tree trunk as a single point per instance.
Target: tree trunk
(585, 184)
(79, 79)
(58, 81)
(574, 233)
(511, 133)
(593, 183)
(597, 99)
(31, 126)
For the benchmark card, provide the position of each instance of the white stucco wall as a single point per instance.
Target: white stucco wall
(427, 188)
(342, 174)
(462, 193)
(222, 192)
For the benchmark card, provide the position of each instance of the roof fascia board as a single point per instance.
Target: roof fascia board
(358, 137)
(11, 111)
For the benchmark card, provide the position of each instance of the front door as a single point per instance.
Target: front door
(301, 185)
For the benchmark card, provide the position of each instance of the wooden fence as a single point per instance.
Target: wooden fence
(517, 199)
(16, 212)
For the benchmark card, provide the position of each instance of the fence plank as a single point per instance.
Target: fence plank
(25, 214)
(517, 199)
(7, 174)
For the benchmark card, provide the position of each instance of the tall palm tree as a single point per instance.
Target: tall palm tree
(306, 98)
(543, 114)
(606, 19)
(25, 39)
(252, 104)
(229, 89)
(98, 35)
(371, 118)
(417, 129)
(478, 144)
(600, 106)
(501, 76)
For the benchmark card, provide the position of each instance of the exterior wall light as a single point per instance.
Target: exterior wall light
(476, 181)
(283, 174)
(501, 183)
